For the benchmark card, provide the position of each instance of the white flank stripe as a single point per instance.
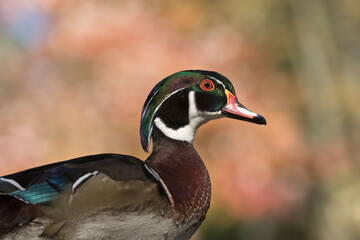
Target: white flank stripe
(82, 178)
(152, 171)
(13, 182)
(156, 175)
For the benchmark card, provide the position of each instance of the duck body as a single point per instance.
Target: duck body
(113, 196)
(94, 211)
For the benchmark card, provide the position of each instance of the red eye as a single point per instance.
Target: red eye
(207, 85)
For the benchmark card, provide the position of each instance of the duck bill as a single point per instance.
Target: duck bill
(234, 109)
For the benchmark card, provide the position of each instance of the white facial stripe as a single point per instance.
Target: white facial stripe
(210, 113)
(149, 102)
(185, 133)
(157, 108)
(196, 118)
(193, 112)
(12, 182)
(218, 81)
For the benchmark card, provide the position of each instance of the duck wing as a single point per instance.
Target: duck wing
(74, 189)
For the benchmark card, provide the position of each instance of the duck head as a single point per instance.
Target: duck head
(179, 104)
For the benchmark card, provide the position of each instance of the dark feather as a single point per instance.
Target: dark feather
(43, 185)
(14, 213)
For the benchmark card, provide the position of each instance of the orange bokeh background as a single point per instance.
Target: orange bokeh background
(74, 76)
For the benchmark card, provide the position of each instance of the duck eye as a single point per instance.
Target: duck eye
(207, 85)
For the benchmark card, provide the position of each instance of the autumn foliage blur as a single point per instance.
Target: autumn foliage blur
(74, 76)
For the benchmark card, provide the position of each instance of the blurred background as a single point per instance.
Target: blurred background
(75, 74)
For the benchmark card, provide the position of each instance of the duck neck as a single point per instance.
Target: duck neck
(183, 172)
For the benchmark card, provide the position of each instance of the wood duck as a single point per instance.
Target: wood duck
(112, 196)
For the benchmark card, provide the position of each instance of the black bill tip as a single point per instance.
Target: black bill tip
(258, 119)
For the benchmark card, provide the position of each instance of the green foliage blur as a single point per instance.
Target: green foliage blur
(74, 76)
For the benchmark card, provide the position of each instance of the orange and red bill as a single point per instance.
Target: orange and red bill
(234, 109)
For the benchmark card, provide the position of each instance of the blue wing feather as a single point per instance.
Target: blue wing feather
(57, 178)
(46, 188)
(35, 194)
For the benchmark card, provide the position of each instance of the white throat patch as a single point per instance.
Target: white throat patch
(196, 118)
